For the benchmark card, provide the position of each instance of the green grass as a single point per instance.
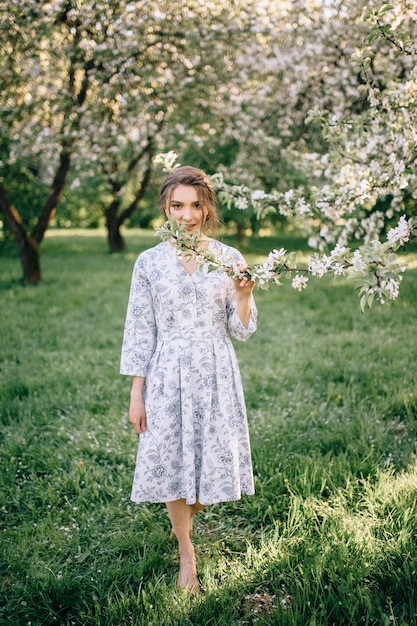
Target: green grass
(330, 536)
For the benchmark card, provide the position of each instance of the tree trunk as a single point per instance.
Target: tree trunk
(255, 225)
(27, 246)
(114, 237)
(116, 241)
(240, 232)
(115, 221)
(54, 195)
(30, 260)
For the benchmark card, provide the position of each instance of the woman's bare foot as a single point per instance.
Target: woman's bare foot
(187, 577)
(181, 516)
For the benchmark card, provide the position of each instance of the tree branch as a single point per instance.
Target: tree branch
(127, 212)
(391, 39)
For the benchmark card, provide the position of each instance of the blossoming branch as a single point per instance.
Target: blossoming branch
(375, 267)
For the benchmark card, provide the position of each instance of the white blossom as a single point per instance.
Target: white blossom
(400, 234)
(288, 196)
(299, 282)
(168, 160)
(258, 194)
(241, 203)
(302, 207)
(392, 285)
(276, 255)
(357, 261)
(318, 266)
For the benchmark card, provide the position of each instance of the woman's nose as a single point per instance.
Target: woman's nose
(186, 213)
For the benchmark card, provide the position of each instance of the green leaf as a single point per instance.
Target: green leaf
(385, 8)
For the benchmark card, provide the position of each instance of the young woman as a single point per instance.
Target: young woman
(186, 401)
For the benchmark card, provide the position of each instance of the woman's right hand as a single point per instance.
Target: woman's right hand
(137, 414)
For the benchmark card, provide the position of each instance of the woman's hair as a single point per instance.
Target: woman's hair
(187, 175)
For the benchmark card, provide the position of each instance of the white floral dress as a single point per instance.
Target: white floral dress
(177, 335)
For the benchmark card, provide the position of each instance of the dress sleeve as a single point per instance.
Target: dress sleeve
(139, 336)
(235, 326)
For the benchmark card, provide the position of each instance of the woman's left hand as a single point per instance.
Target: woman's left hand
(244, 286)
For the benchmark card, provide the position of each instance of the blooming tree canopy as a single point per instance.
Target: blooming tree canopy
(89, 89)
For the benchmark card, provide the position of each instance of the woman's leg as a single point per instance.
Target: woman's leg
(194, 508)
(181, 514)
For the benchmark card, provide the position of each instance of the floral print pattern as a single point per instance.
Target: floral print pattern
(178, 335)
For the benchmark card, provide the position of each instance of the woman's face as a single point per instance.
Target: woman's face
(186, 208)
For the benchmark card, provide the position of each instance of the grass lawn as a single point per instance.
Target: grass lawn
(330, 536)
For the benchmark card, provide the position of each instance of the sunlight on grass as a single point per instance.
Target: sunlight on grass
(410, 260)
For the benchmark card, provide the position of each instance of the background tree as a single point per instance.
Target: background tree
(94, 86)
(45, 81)
(178, 65)
(352, 69)
(369, 175)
